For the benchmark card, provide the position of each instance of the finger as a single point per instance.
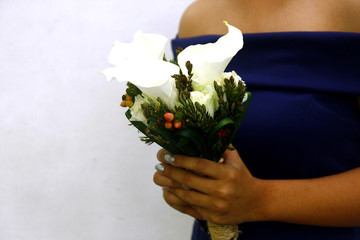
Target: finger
(192, 197)
(232, 158)
(191, 180)
(189, 211)
(180, 205)
(199, 165)
(161, 154)
(164, 181)
(172, 199)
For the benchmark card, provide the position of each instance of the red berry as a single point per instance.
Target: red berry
(222, 133)
(177, 124)
(169, 116)
(168, 125)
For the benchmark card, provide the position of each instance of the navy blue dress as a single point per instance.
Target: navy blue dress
(304, 119)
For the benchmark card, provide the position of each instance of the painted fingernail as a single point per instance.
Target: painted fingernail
(169, 158)
(159, 167)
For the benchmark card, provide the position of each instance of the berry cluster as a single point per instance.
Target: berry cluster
(127, 101)
(222, 133)
(169, 117)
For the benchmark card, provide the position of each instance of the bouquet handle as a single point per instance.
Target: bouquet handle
(223, 232)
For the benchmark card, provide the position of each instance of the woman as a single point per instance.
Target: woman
(298, 176)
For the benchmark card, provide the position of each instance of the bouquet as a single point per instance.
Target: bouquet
(189, 105)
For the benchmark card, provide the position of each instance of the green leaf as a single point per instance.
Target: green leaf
(244, 111)
(242, 115)
(195, 140)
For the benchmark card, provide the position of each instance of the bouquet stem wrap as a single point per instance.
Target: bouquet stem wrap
(223, 232)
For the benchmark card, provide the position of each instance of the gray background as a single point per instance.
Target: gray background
(70, 166)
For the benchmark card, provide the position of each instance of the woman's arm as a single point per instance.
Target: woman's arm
(327, 201)
(230, 194)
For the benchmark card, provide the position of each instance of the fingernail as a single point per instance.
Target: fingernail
(159, 167)
(167, 188)
(169, 158)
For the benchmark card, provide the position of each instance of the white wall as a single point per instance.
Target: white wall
(70, 166)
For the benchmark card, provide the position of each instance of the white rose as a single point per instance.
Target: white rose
(208, 97)
(227, 75)
(137, 114)
(237, 79)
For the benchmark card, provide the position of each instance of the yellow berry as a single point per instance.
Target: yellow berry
(129, 103)
(123, 104)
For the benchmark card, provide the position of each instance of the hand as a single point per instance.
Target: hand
(171, 199)
(226, 194)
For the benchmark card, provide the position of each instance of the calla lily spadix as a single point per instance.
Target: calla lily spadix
(141, 63)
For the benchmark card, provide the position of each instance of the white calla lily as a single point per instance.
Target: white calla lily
(144, 46)
(141, 63)
(210, 60)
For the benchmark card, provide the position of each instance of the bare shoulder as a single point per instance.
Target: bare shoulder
(204, 17)
(199, 19)
(350, 13)
(192, 18)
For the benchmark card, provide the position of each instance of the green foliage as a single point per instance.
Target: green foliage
(132, 90)
(173, 61)
(195, 115)
(184, 83)
(230, 99)
(198, 134)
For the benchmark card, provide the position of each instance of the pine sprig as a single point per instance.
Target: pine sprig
(184, 83)
(154, 111)
(196, 115)
(132, 90)
(174, 61)
(230, 98)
